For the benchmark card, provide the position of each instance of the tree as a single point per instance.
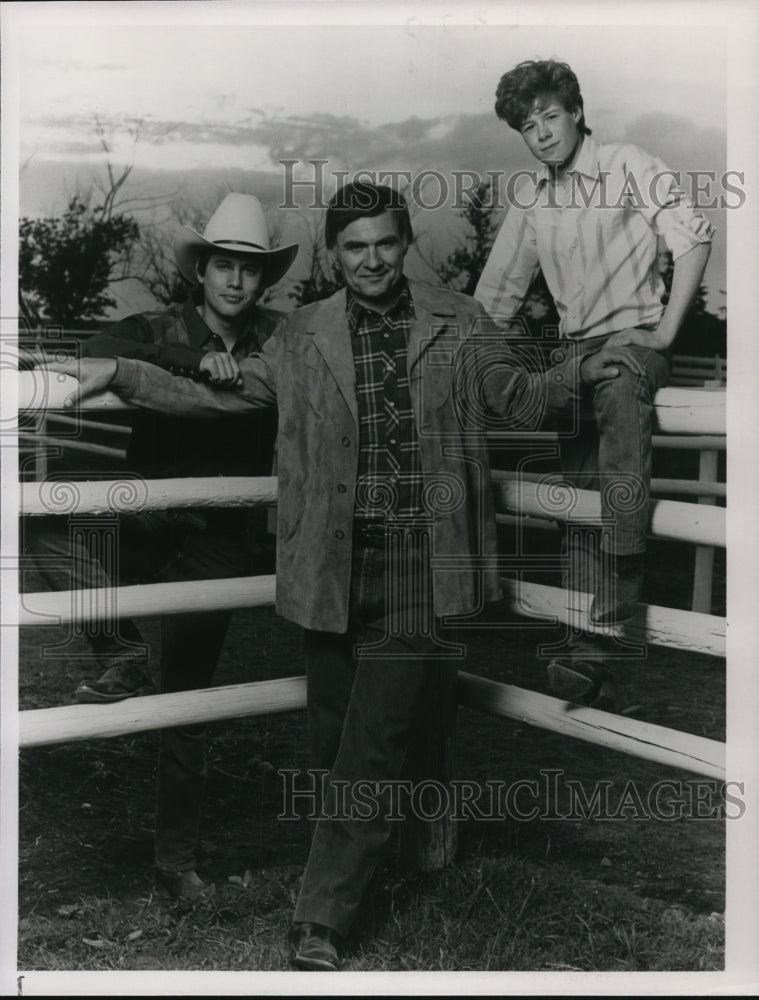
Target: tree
(67, 263)
(131, 229)
(153, 263)
(322, 279)
(462, 267)
(539, 311)
(317, 286)
(702, 333)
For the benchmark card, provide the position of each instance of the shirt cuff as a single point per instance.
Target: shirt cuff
(180, 359)
(124, 382)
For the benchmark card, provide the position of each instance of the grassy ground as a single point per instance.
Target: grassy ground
(617, 894)
(629, 893)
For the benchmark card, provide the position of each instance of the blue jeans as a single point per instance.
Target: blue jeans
(610, 451)
(366, 706)
(154, 547)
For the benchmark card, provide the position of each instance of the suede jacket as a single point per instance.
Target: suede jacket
(306, 369)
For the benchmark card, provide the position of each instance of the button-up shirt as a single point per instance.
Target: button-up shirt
(307, 369)
(595, 237)
(176, 338)
(169, 447)
(389, 468)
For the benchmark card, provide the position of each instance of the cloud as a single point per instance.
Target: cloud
(475, 142)
(681, 143)
(463, 141)
(204, 151)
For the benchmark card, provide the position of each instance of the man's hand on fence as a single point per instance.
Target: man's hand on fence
(605, 364)
(34, 357)
(220, 368)
(94, 376)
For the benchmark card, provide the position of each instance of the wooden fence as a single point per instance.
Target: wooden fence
(700, 414)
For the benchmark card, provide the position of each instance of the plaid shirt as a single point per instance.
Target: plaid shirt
(389, 483)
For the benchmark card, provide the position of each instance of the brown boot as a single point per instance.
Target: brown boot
(185, 886)
(585, 683)
(315, 948)
(124, 679)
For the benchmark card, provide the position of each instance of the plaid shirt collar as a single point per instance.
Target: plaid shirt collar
(358, 313)
(200, 335)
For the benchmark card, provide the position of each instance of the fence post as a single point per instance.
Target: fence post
(704, 564)
(41, 447)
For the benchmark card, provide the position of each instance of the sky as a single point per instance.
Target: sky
(232, 76)
(224, 91)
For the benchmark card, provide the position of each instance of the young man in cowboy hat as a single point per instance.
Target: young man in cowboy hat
(230, 264)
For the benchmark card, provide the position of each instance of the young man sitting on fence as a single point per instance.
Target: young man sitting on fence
(230, 265)
(590, 219)
(382, 466)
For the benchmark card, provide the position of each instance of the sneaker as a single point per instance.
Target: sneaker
(122, 680)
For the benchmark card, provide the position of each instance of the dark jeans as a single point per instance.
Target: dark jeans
(153, 547)
(611, 452)
(365, 708)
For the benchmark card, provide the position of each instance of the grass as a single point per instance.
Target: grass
(485, 914)
(542, 895)
(558, 895)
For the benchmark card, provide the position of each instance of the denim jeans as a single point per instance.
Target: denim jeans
(369, 693)
(610, 451)
(154, 547)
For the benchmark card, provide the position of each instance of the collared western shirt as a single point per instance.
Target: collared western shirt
(595, 238)
(169, 447)
(307, 369)
(176, 338)
(389, 479)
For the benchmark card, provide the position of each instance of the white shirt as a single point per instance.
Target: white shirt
(595, 239)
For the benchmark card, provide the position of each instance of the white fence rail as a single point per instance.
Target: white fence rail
(679, 412)
(43, 727)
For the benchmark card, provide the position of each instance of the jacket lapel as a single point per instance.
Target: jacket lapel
(430, 317)
(332, 340)
(332, 335)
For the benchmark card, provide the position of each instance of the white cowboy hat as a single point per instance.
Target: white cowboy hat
(238, 225)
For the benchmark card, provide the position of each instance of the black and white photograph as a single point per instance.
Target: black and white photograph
(371, 601)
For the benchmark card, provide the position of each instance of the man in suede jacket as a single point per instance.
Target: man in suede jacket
(385, 514)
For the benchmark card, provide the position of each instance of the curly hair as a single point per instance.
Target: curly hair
(518, 89)
(360, 200)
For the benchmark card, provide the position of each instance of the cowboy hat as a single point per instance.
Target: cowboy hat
(237, 225)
